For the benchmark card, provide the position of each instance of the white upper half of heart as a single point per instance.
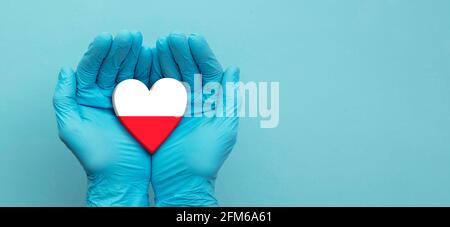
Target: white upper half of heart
(167, 97)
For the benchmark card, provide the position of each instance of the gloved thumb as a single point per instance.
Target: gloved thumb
(231, 86)
(64, 99)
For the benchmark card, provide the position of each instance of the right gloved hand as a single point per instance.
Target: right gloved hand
(185, 167)
(117, 167)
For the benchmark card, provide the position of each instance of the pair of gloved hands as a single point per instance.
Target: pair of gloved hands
(183, 170)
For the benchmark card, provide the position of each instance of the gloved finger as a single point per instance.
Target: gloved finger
(89, 66)
(179, 45)
(144, 65)
(128, 66)
(168, 66)
(231, 99)
(205, 59)
(155, 73)
(64, 99)
(119, 50)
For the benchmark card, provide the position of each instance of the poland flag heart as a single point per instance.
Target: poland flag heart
(150, 115)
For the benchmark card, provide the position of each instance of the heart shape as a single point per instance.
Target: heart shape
(150, 115)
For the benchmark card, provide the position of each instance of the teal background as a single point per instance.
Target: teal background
(365, 86)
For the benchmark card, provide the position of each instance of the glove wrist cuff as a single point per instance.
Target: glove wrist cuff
(188, 199)
(108, 194)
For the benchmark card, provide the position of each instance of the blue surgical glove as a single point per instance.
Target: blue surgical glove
(185, 167)
(117, 167)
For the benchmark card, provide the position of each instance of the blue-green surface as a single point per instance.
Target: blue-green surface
(365, 96)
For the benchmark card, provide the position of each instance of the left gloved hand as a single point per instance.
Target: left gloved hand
(117, 167)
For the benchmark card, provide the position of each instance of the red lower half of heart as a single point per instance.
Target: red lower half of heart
(150, 131)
